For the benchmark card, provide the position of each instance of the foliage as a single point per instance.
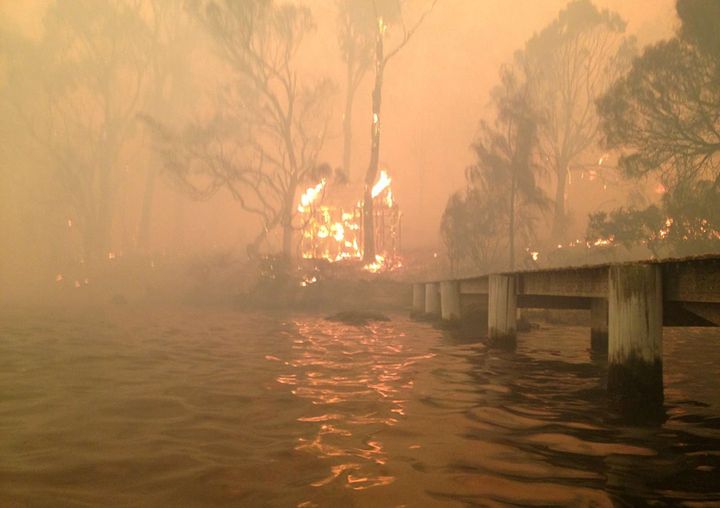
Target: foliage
(472, 232)
(502, 202)
(686, 223)
(695, 216)
(664, 115)
(664, 118)
(627, 227)
(568, 65)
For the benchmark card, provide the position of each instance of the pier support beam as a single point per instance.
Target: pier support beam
(450, 300)
(502, 310)
(599, 325)
(635, 332)
(418, 301)
(432, 299)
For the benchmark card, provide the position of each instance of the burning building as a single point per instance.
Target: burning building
(333, 232)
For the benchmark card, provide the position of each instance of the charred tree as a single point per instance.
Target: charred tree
(381, 60)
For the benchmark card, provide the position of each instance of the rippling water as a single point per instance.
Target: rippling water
(215, 408)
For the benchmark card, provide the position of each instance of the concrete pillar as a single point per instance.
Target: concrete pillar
(432, 299)
(635, 332)
(502, 310)
(599, 325)
(418, 302)
(450, 300)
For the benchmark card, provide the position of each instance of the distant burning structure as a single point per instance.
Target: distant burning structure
(335, 233)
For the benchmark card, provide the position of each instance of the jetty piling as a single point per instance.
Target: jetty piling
(432, 299)
(599, 325)
(502, 309)
(450, 300)
(635, 332)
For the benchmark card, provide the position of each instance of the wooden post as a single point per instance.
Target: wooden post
(418, 303)
(432, 299)
(635, 332)
(502, 310)
(450, 300)
(599, 325)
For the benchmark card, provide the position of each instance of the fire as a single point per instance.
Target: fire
(377, 265)
(339, 229)
(382, 183)
(310, 196)
(666, 230)
(336, 234)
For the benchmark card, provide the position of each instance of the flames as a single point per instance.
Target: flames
(311, 195)
(331, 233)
(383, 183)
(335, 234)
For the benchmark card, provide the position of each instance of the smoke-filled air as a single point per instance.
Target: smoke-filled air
(369, 253)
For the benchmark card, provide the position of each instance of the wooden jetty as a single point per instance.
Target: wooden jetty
(629, 304)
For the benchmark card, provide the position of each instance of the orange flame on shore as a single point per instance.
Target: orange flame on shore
(382, 183)
(333, 234)
(377, 265)
(310, 196)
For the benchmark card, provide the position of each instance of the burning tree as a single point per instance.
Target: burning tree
(381, 60)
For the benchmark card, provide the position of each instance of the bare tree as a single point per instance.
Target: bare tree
(75, 93)
(264, 138)
(381, 60)
(172, 39)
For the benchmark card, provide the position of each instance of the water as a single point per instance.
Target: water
(194, 408)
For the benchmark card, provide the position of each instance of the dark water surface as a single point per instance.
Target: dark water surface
(190, 408)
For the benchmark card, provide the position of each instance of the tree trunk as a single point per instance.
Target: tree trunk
(287, 239)
(286, 219)
(559, 216)
(368, 217)
(511, 231)
(143, 239)
(105, 210)
(347, 118)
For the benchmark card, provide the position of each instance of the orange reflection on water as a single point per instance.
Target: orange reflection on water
(364, 374)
